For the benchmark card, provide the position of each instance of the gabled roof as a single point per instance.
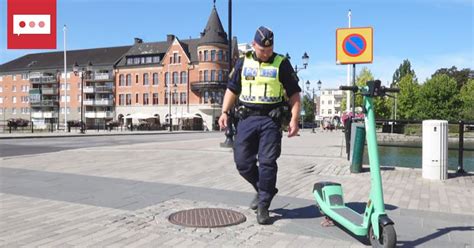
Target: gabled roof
(214, 32)
(107, 56)
(160, 48)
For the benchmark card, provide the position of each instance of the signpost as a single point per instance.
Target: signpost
(354, 46)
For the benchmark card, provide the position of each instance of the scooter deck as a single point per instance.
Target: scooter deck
(332, 205)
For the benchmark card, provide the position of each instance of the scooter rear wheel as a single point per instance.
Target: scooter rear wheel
(387, 239)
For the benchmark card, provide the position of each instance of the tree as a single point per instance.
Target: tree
(439, 99)
(308, 107)
(467, 99)
(408, 98)
(381, 105)
(461, 76)
(403, 70)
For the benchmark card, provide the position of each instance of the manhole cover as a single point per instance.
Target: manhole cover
(207, 217)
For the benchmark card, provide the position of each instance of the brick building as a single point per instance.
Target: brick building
(181, 77)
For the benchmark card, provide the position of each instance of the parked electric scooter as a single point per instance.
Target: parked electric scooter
(374, 223)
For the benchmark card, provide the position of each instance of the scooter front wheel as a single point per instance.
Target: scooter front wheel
(387, 238)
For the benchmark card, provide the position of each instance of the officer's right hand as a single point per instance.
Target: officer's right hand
(223, 121)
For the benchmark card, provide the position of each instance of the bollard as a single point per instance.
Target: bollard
(32, 128)
(347, 134)
(461, 148)
(358, 149)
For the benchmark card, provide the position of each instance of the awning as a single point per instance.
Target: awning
(139, 116)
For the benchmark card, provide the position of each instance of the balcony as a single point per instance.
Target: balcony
(101, 76)
(45, 103)
(43, 80)
(104, 89)
(40, 115)
(49, 91)
(88, 89)
(98, 102)
(99, 114)
(103, 102)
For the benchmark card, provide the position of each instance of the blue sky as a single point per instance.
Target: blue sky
(430, 33)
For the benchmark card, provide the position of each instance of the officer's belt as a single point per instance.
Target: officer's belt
(258, 112)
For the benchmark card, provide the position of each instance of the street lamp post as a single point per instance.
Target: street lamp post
(168, 87)
(87, 70)
(305, 59)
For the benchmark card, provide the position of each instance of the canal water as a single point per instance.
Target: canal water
(410, 155)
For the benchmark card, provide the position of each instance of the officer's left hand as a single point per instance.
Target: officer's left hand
(223, 121)
(293, 128)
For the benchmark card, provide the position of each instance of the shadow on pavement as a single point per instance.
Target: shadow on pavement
(437, 234)
(307, 212)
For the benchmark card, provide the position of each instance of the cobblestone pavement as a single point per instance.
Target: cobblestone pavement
(121, 196)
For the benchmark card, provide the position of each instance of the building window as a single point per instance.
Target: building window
(148, 60)
(200, 76)
(175, 98)
(14, 111)
(213, 55)
(205, 55)
(329, 102)
(136, 98)
(175, 58)
(129, 99)
(14, 99)
(200, 55)
(121, 99)
(136, 78)
(121, 81)
(219, 76)
(166, 98)
(322, 111)
(145, 79)
(213, 75)
(322, 102)
(13, 88)
(129, 80)
(206, 75)
(145, 99)
(155, 98)
(175, 77)
(1, 88)
(167, 78)
(219, 55)
(156, 59)
(206, 96)
(329, 111)
(129, 61)
(182, 98)
(226, 56)
(184, 77)
(155, 78)
(1, 100)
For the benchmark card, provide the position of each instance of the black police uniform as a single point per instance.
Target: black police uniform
(259, 136)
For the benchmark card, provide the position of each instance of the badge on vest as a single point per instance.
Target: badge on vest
(271, 73)
(250, 73)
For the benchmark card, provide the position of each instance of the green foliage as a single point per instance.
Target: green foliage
(439, 99)
(308, 107)
(467, 99)
(403, 70)
(461, 76)
(408, 98)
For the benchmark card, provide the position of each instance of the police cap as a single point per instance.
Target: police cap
(264, 36)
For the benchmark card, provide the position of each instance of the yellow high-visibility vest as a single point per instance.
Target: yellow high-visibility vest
(260, 81)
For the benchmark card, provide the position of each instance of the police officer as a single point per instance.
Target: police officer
(259, 81)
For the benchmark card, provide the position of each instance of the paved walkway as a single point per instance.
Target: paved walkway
(121, 196)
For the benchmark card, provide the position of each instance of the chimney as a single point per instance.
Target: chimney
(138, 41)
(169, 37)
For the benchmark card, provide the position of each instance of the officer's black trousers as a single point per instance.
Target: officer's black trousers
(258, 138)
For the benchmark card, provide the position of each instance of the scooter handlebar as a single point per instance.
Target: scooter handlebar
(391, 90)
(351, 88)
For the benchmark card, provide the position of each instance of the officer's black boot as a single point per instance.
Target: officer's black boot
(254, 203)
(263, 217)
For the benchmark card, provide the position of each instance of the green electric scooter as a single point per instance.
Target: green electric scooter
(374, 223)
